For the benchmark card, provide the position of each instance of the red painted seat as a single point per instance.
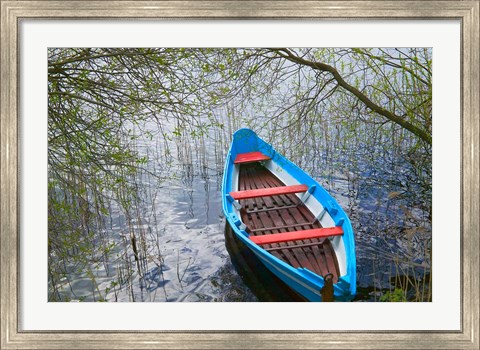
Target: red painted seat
(298, 235)
(250, 157)
(266, 192)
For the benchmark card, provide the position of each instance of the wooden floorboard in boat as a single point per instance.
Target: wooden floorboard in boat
(319, 258)
(270, 219)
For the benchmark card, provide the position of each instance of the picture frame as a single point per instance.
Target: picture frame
(13, 11)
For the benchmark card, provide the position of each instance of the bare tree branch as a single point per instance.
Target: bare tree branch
(289, 55)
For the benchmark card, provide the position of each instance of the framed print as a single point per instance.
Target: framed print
(43, 42)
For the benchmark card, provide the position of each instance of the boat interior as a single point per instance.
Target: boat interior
(278, 220)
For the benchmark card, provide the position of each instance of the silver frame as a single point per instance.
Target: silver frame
(466, 11)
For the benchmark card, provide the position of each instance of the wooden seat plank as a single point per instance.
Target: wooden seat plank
(250, 157)
(272, 191)
(298, 235)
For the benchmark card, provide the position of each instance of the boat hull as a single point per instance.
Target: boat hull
(304, 281)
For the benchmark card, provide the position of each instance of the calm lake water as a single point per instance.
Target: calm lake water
(183, 244)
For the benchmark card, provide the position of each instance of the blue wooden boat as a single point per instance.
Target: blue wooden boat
(290, 222)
